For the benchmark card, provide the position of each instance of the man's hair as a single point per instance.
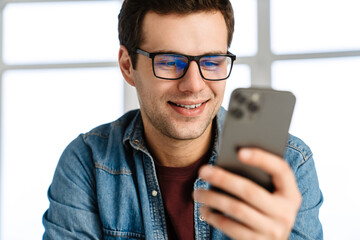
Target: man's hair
(133, 11)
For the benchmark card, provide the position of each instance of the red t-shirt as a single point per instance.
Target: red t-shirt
(176, 185)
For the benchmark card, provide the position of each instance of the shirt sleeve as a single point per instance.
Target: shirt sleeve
(73, 212)
(307, 224)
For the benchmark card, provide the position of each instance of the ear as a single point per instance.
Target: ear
(126, 65)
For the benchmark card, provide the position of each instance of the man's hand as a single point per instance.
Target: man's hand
(257, 213)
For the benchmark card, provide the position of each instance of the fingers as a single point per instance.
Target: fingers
(251, 212)
(280, 171)
(233, 229)
(233, 208)
(286, 189)
(236, 230)
(240, 187)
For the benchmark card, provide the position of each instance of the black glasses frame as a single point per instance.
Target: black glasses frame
(190, 58)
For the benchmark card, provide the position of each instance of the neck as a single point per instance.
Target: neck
(178, 153)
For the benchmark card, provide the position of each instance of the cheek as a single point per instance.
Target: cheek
(218, 88)
(150, 89)
(143, 70)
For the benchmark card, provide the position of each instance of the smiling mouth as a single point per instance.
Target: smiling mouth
(189, 107)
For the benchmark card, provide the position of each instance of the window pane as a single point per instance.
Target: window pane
(245, 35)
(60, 32)
(42, 111)
(327, 117)
(315, 26)
(240, 77)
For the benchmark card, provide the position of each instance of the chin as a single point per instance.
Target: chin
(186, 133)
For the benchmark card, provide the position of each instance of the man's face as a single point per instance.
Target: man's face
(180, 109)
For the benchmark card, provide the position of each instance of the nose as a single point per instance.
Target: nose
(192, 81)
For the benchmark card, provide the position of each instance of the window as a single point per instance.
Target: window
(314, 26)
(59, 78)
(43, 111)
(326, 118)
(316, 56)
(60, 32)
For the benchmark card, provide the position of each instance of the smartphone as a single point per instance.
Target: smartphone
(256, 117)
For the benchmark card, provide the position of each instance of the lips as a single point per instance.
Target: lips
(189, 106)
(188, 109)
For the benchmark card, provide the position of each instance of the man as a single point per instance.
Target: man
(137, 178)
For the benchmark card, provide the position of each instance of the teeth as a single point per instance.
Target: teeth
(189, 106)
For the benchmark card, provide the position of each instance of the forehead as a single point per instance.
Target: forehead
(193, 34)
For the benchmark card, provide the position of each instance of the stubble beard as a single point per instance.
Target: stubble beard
(187, 129)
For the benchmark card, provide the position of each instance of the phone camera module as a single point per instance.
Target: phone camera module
(240, 98)
(237, 113)
(253, 107)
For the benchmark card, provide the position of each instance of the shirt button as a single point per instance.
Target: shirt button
(136, 142)
(154, 193)
(202, 218)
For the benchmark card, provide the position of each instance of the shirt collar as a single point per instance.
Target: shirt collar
(134, 132)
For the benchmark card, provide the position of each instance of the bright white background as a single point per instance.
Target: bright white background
(327, 118)
(43, 109)
(327, 114)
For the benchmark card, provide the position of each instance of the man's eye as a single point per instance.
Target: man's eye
(210, 64)
(165, 64)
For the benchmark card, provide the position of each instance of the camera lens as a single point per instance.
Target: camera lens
(240, 98)
(253, 107)
(237, 113)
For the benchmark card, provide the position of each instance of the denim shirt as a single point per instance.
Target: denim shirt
(105, 187)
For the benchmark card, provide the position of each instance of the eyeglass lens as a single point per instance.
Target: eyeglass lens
(173, 66)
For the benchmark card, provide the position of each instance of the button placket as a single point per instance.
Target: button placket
(154, 193)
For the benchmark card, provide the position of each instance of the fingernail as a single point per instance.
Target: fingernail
(194, 195)
(202, 212)
(197, 196)
(245, 154)
(206, 171)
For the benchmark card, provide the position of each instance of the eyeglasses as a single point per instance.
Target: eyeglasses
(173, 66)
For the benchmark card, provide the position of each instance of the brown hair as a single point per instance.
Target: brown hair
(133, 11)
